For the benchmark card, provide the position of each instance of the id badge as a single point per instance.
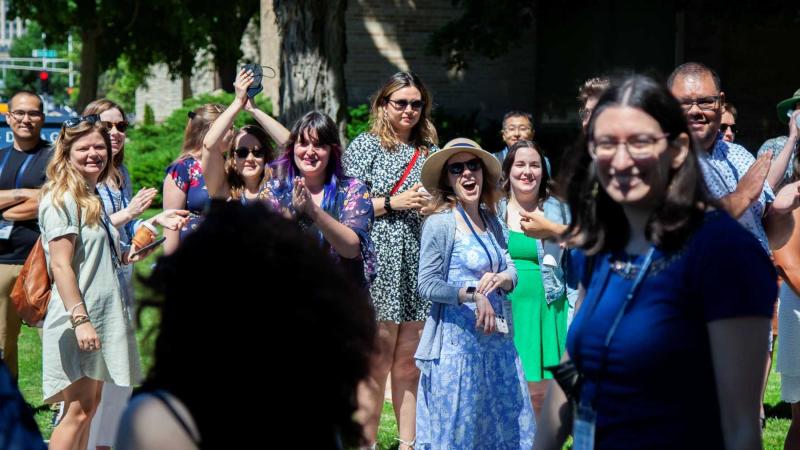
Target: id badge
(502, 324)
(5, 229)
(583, 428)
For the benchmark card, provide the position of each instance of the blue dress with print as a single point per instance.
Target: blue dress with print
(188, 176)
(475, 395)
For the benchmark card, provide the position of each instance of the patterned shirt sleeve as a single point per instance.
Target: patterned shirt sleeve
(357, 214)
(776, 146)
(179, 172)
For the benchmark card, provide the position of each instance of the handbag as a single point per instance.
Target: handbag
(31, 292)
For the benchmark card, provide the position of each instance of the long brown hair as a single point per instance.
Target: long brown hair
(423, 134)
(444, 197)
(235, 181)
(200, 120)
(98, 107)
(545, 183)
(64, 178)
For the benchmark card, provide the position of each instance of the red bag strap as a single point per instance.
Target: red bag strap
(405, 174)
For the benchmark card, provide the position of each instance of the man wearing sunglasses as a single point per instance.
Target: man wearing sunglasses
(728, 123)
(22, 173)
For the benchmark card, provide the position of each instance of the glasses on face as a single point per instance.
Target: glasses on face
(75, 121)
(119, 126)
(457, 168)
(20, 114)
(638, 146)
(584, 113)
(401, 105)
(242, 152)
(724, 127)
(522, 129)
(704, 103)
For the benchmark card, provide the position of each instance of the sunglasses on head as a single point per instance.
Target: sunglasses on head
(242, 152)
(75, 121)
(120, 126)
(724, 127)
(457, 168)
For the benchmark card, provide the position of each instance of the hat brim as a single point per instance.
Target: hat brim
(432, 169)
(785, 106)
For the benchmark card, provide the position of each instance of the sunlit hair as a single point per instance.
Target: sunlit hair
(200, 120)
(694, 69)
(321, 130)
(545, 183)
(728, 107)
(63, 178)
(235, 180)
(423, 134)
(444, 197)
(98, 107)
(593, 87)
(598, 222)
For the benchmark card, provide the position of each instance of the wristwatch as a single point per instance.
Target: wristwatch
(471, 291)
(387, 203)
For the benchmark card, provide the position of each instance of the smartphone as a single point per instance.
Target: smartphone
(147, 247)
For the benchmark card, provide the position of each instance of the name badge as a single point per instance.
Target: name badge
(5, 228)
(583, 428)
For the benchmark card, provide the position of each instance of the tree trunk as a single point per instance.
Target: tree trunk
(312, 58)
(90, 70)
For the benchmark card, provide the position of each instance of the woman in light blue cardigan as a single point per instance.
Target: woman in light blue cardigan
(472, 392)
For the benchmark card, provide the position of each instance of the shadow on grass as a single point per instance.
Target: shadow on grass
(780, 410)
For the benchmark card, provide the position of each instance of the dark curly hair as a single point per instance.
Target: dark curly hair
(599, 224)
(258, 323)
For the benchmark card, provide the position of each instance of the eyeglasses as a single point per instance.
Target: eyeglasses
(724, 127)
(75, 121)
(457, 168)
(119, 126)
(705, 103)
(639, 146)
(20, 114)
(584, 113)
(401, 105)
(242, 152)
(521, 129)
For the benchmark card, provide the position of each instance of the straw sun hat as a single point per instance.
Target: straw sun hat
(432, 169)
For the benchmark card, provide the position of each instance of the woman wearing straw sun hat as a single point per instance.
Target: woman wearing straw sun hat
(472, 392)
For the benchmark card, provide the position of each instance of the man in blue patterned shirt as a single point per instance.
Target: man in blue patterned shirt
(783, 148)
(731, 173)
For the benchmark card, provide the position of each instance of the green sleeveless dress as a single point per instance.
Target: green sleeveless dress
(540, 330)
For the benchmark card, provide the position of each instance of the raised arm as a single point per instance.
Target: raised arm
(218, 136)
(275, 129)
(778, 167)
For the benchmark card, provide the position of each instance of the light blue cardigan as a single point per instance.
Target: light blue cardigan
(436, 247)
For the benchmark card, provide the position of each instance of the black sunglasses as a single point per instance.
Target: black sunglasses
(75, 121)
(457, 168)
(120, 126)
(724, 127)
(242, 152)
(401, 105)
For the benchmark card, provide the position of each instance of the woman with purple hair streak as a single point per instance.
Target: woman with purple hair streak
(309, 185)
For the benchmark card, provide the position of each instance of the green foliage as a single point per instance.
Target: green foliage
(149, 115)
(16, 80)
(150, 149)
(357, 121)
(120, 81)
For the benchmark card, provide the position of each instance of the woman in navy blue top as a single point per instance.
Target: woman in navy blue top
(671, 333)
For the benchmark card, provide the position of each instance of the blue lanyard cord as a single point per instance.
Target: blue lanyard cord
(21, 171)
(480, 241)
(590, 389)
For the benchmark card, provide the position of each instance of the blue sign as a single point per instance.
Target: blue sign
(52, 126)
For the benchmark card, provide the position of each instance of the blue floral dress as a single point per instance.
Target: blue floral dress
(188, 176)
(351, 206)
(475, 395)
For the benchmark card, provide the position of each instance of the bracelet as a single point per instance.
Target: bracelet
(80, 320)
(72, 310)
(387, 204)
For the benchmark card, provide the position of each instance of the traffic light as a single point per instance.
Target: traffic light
(44, 82)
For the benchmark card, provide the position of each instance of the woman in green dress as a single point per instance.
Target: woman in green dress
(539, 305)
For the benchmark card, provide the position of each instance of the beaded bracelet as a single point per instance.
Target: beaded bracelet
(79, 321)
(72, 310)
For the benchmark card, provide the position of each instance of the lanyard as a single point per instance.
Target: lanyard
(480, 241)
(104, 220)
(121, 197)
(590, 388)
(21, 171)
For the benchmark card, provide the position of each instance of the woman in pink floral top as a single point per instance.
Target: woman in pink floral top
(309, 185)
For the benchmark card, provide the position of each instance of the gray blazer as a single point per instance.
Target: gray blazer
(436, 248)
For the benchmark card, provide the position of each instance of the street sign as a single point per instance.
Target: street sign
(44, 53)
